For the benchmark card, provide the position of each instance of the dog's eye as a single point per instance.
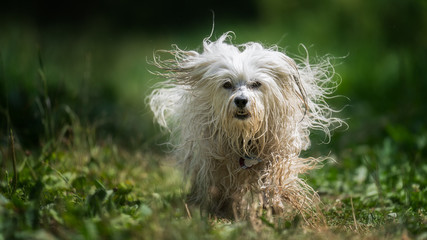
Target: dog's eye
(255, 84)
(227, 85)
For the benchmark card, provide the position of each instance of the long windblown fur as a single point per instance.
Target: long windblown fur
(285, 101)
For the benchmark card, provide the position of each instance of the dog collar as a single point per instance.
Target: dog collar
(247, 161)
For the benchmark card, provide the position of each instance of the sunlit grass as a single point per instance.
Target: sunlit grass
(80, 191)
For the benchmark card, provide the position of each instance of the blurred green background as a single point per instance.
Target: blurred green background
(73, 66)
(93, 57)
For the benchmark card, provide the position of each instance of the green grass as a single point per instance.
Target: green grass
(74, 189)
(85, 160)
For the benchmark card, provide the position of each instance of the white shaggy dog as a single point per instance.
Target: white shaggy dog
(239, 117)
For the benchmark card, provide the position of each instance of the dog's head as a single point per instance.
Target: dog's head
(244, 92)
(249, 87)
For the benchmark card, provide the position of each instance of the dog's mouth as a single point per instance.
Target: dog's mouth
(242, 114)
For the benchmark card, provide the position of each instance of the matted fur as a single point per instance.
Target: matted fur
(286, 99)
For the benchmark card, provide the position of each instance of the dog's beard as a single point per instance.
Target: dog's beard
(242, 126)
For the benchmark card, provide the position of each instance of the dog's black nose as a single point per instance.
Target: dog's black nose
(241, 101)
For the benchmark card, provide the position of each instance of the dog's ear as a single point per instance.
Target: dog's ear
(300, 91)
(180, 68)
(294, 79)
